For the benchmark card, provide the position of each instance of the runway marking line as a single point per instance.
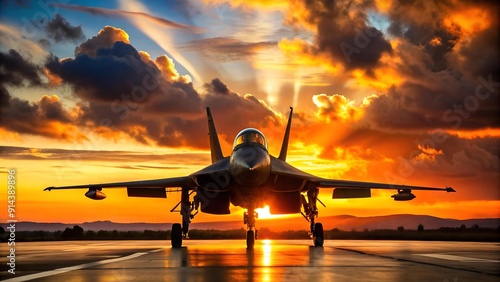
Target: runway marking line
(457, 258)
(76, 267)
(417, 261)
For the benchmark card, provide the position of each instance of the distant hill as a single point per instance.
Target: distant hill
(343, 222)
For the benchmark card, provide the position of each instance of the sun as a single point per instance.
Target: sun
(264, 213)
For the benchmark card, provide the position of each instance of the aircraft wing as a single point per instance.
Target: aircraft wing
(155, 183)
(348, 184)
(344, 189)
(155, 188)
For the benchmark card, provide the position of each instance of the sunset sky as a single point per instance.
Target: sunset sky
(404, 92)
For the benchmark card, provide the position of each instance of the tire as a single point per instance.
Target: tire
(318, 235)
(250, 239)
(176, 235)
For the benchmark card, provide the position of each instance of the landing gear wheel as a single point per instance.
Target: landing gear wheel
(250, 239)
(318, 236)
(176, 235)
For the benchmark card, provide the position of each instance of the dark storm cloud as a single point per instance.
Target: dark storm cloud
(121, 90)
(343, 32)
(421, 23)
(233, 112)
(226, 48)
(429, 24)
(4, 98)
(456, 105)
(46, 117)
(481, 56)
(451, 74)
(217, 86)
(15, 70)
(105, 77)
(444, 53)
(61, 30)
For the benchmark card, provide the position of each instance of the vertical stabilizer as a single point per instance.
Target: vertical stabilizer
(214, 139)
(284, 146)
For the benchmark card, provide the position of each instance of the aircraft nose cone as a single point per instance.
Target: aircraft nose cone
(250, 165)
(253, 163)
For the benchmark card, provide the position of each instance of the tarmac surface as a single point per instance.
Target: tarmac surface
(271, 260)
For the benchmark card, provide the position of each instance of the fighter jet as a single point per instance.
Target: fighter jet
(250, 178)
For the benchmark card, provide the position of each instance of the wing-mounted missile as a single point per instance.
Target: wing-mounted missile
(403, 195)
(95, 194)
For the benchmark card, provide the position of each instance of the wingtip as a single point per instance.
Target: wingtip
(449, 189)
(48, 188)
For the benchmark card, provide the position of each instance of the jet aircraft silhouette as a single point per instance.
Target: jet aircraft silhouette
(250, 178)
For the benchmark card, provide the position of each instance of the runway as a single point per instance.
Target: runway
(271, 260)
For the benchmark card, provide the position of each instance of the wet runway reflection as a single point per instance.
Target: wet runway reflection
(266, 262)
(300, 261)
(271, 260)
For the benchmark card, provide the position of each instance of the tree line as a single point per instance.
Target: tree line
(463, 233)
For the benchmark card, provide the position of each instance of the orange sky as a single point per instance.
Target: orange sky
(381, 93)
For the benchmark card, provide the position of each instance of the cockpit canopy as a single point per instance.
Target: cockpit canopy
(249, 136)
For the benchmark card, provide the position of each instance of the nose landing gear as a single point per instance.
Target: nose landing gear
(249, 219)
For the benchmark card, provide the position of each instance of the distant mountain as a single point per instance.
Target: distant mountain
(408, 221)
(343, 222)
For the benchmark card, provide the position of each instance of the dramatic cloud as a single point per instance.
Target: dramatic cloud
(424, 26)
(342, 31)
(440, 68)
(440, 102)
(104, 39)
(14, 69)
(477, 54)
(439, 26)
(122, 90)
(239, 111)
(453, 88)
(38, 154)
(339, 108)
(226, 48)
(143, 16)
(60, 30)
(45, 118)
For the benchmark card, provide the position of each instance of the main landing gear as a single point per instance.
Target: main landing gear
(310, 213)
(188, 211)
(249, 219)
